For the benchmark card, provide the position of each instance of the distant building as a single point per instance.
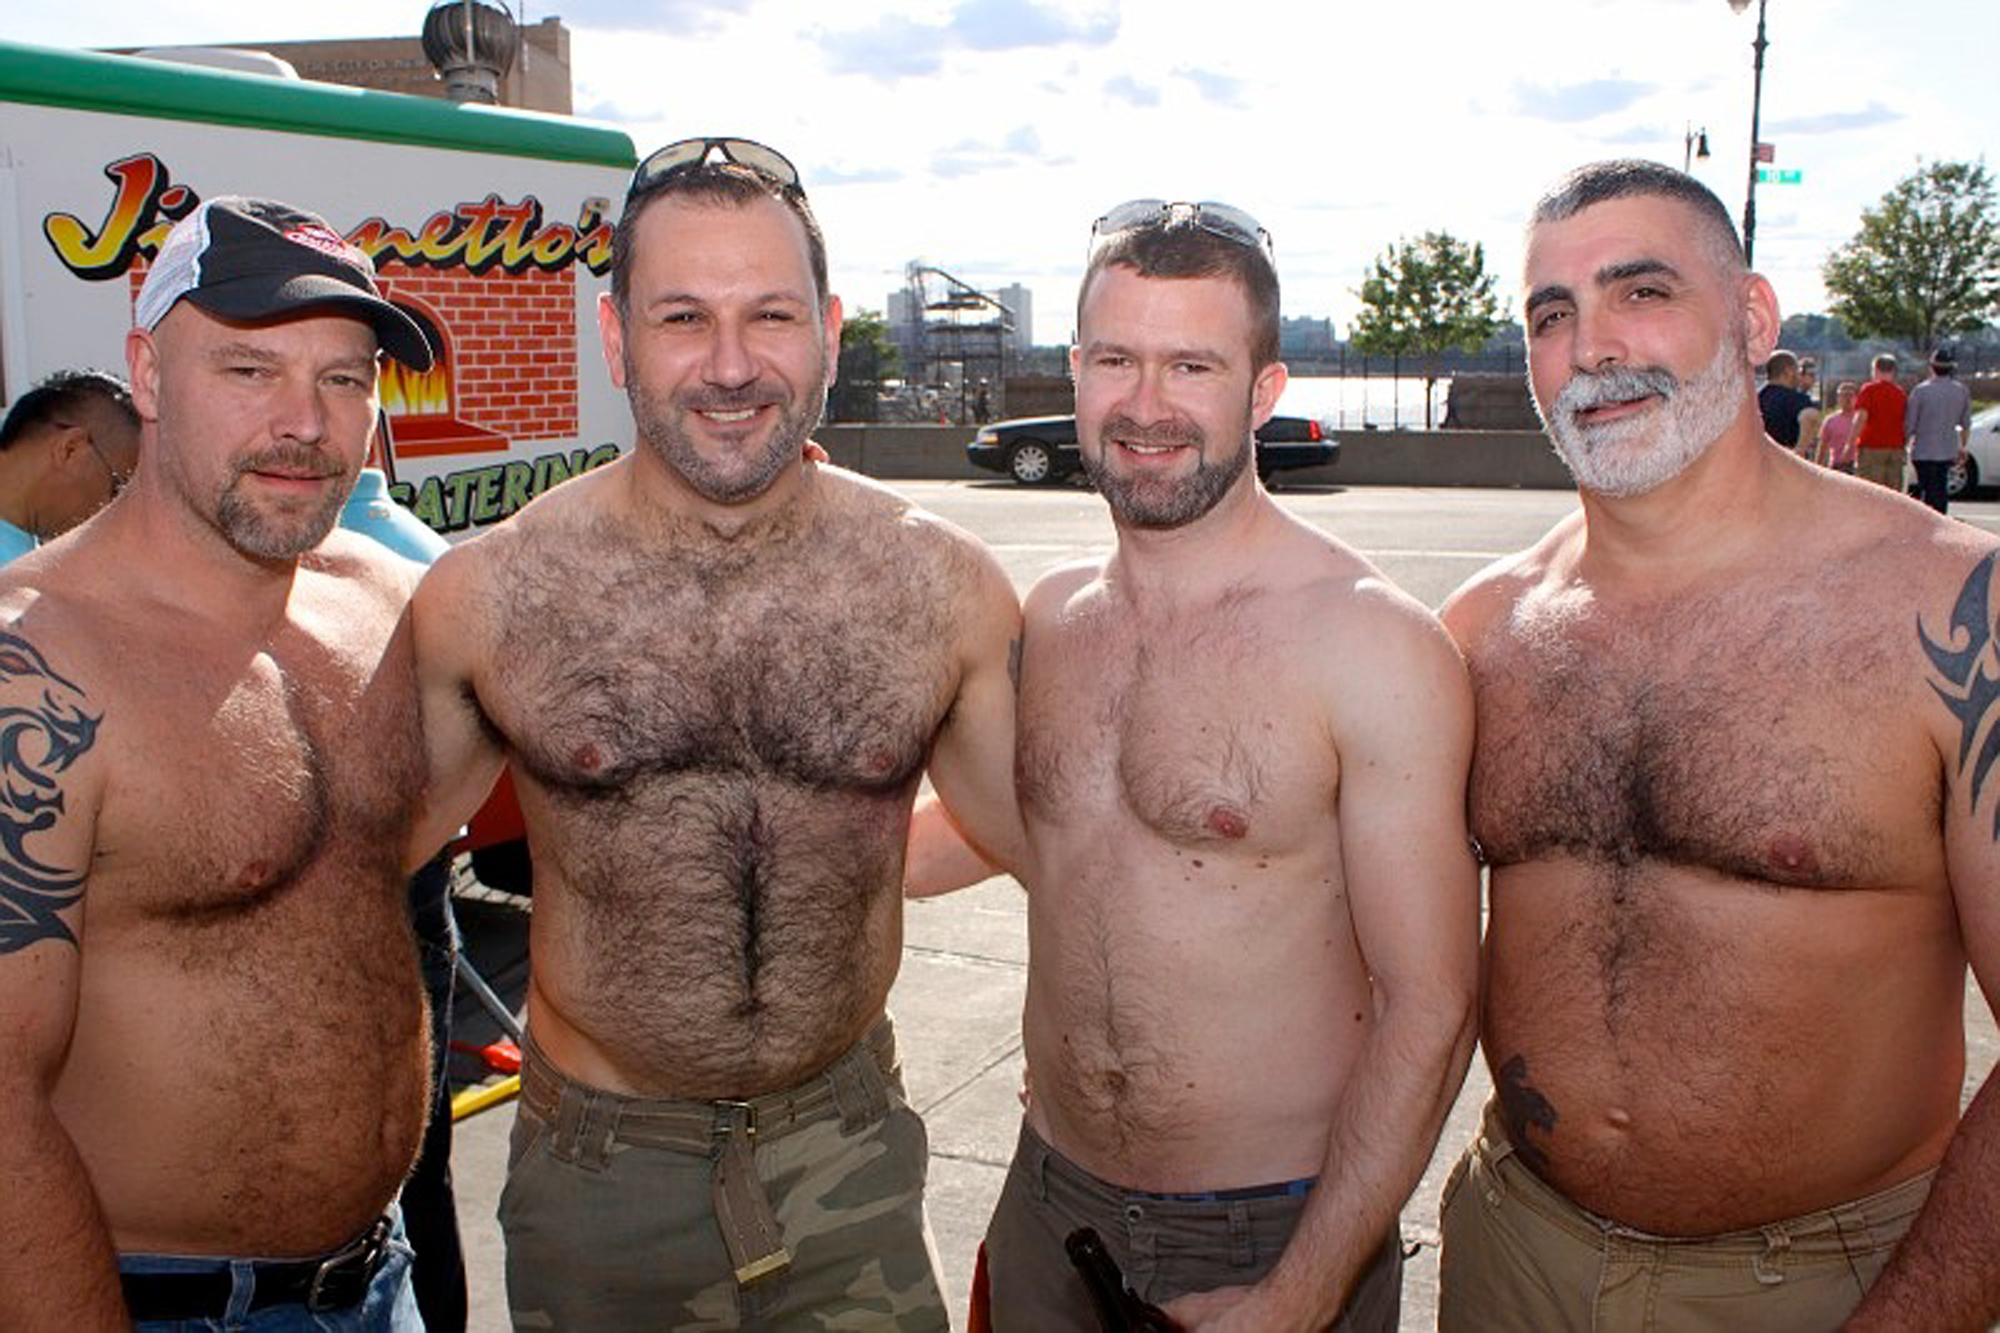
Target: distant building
(1020, 303)
(1306, 338)
(539, 80)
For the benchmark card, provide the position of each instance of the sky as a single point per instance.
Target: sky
(984, 136)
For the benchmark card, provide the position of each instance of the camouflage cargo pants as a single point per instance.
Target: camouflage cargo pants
(608, 1235)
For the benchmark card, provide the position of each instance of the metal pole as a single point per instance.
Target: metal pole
(1756, 109)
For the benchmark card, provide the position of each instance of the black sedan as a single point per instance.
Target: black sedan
(1036, 451)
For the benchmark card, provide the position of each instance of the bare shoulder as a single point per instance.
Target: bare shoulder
(870, 515)
(1058, 588)
(1488, 598)
(1369, 637)
(361, 565)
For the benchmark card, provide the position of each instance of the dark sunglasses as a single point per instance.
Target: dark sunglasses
(769, 163)
(1230, 223)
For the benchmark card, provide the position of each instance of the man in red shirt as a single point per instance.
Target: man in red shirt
(1878, 426)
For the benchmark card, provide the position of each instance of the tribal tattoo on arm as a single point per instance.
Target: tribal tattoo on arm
(39, 742)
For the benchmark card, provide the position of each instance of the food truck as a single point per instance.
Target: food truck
(491, 227)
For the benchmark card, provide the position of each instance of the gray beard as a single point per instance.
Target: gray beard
(1643, 453)
(736, 480)
(266, 537)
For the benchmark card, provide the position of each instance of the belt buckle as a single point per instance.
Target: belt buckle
(342, 1277)
(724, 1121)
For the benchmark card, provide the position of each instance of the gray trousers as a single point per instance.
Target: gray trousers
(1166, 1247)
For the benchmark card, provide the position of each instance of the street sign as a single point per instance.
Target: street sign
(1768, 177)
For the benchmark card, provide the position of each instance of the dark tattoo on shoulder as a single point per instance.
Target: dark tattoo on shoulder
(1970, 686)
(1523, 1107)
(38, 744)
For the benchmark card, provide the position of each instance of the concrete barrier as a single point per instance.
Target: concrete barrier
(1506, 458)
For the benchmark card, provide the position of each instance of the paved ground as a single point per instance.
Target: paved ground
(958, 1001)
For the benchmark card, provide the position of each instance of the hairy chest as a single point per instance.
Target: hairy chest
(1766, 743)
(297, 763)
(1202, 729)
(831, 674)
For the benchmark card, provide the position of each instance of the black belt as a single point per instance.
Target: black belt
(335, 1281)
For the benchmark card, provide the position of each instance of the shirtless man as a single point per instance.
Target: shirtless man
(1724, 1017)
(215, 1039)
(1252, 907)
(719, 669)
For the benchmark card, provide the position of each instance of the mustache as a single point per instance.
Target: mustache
(300, 458)
(731, 400)
(1171, 433)
(1594, 388)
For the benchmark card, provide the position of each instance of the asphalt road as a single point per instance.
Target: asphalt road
(957, 1002)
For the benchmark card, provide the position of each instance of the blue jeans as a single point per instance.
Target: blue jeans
(389, 1307)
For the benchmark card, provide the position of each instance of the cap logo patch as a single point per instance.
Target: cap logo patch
(327, 241)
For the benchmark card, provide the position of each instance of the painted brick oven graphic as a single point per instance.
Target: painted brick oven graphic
(506, 364)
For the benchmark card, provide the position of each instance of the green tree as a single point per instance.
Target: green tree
(1926, 262)
(867, 358)
(1425, 296)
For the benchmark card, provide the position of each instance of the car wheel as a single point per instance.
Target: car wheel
(1031, 463)
(1963, 479)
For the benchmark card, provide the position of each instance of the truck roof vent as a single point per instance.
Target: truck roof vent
(473, 44)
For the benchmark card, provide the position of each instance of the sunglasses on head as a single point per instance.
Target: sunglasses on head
(1224, 220)
(688, 154)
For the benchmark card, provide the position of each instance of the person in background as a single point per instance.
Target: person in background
(1835, 446)
(1788, 411)
(66, 447)
(1878, 426)
(1938, 420)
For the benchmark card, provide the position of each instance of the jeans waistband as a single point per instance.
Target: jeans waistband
(203, 1289)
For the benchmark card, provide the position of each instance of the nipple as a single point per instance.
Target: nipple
(1227, 823)
(587, 757)
(1793, 855)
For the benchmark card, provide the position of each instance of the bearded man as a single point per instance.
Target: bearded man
(1740, 833)
(719, 669)
(1252, 911)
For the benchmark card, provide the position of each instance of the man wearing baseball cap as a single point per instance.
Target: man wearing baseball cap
(215, 1074)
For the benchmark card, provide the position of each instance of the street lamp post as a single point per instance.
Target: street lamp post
(1756, 106)
(1694, 144)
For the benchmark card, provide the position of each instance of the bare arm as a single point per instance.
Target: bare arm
(972, 759)
(1809, 431)
(463, 754)
(939, 858)
(1946, 1274)
(1404, 728)
(58, 1270)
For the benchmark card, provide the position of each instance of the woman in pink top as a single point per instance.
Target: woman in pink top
(1836, 432)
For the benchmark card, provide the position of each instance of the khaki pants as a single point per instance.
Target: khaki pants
(1165, 1247)
(1881, 465)
(608, 1232)
(1519, 1256)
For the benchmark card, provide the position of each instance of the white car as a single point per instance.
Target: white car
(1982, 456)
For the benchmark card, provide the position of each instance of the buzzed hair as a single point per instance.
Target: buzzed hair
(721, 183)
(1883, 361)
(1175, 246)
(1634, 178)
(66, 393)
(1781, 363)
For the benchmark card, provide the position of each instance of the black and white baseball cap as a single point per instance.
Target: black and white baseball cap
(253, 259)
